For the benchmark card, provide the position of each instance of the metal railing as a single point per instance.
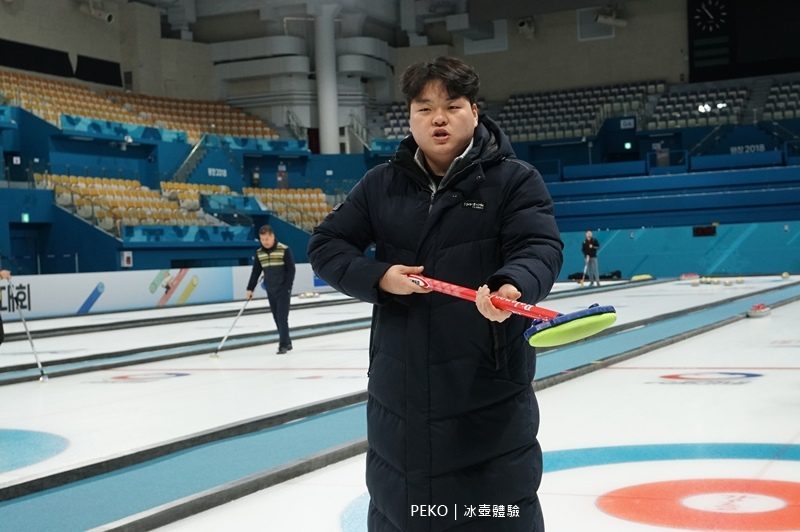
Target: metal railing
(227, 213)
(295, 126)
(711, 138)
(192, 160)
(359, 130)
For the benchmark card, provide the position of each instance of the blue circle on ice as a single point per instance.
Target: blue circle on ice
(22, 448)
(354, 516)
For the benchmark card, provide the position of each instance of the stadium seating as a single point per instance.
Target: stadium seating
(303, 207)
(571, 113)
(194, 116)
(49, 99)
(111, 203)
(783, 101)
(703, 107)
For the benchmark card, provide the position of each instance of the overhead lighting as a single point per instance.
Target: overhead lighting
(90, 10)
(611, 20)
(610, 17)
(526, 28)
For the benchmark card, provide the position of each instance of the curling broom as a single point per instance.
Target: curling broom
(13, 294)
(215, 354)
(550, 328)
(585, 267)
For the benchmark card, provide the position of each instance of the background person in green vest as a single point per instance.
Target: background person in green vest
(275, 260)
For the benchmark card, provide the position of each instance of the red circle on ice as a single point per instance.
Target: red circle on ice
(709, 504)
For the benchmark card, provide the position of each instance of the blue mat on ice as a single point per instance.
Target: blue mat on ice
(106, 498)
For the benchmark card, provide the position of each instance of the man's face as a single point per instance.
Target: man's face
(267, 240)
(442, 127)
(588, 235)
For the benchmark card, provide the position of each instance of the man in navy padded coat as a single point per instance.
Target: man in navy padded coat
(452, 418)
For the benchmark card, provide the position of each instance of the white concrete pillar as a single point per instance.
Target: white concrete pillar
(327, 94)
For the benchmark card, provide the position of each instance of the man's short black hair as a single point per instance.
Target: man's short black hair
(265, 230)
(458, 78)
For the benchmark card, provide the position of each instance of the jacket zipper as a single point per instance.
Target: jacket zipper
(376, 319)
(435, 189)
(495, 347)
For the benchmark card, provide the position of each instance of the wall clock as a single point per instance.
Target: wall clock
(710, 16)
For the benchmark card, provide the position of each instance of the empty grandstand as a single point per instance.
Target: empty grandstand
(142, 134)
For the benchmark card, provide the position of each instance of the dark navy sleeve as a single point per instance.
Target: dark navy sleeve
(336, 249)
(288, 264)
(529, 237)
(254, 274)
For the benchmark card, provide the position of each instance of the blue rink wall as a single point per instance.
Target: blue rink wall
(43, 296)
(738, 249)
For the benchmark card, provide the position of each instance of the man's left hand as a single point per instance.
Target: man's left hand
(485, 306)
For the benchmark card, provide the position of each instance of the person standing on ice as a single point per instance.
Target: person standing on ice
(274, 259)
(589, 247)
(452, 419)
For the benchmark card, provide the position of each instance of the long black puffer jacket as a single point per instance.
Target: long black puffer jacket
(452, 418)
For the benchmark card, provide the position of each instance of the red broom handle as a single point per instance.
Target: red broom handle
(515, 307)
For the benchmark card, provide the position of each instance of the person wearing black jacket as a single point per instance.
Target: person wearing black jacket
(452, 419)
(589, 247)
(276, 262)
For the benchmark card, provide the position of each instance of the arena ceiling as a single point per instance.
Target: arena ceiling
(403, 17)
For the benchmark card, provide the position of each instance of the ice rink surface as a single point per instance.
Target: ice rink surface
(703, 434)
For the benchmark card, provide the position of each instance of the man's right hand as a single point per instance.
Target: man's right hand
(396, 281)
(249, 294)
